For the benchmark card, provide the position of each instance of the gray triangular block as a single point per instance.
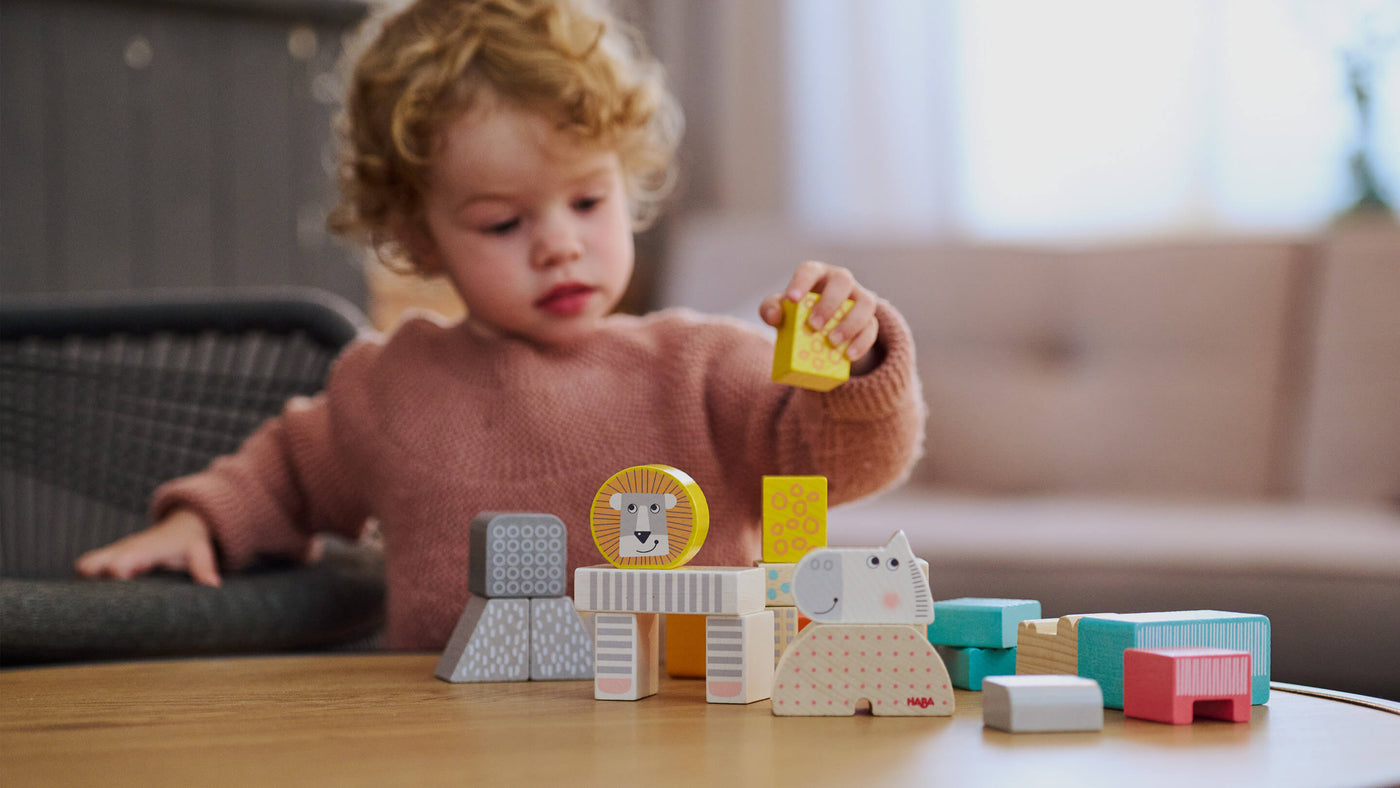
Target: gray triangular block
(560, 646)
(491, 642)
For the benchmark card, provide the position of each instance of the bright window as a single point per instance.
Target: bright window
(1021, 119)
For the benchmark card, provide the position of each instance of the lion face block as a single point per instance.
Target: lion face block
(643, 530)
(855, 585)
(649, 517)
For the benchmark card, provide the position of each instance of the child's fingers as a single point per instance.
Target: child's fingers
(91, 563)
(804, 280)
(837, 286)
(856, 320)
(203, 566)
(771, 310)
(863, 341)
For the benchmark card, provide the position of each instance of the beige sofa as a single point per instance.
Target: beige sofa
(1177, 425)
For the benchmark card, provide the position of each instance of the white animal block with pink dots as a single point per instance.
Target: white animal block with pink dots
(863, 585)
(865, 645)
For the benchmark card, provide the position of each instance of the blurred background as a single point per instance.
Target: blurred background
(1147, 248)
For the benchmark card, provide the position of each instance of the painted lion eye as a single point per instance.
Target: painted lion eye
(631, 508)
(873, 562)
(656, 507)
(893, 564)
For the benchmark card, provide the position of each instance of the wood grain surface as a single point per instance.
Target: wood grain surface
(384, 720)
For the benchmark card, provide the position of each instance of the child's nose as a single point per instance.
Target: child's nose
(558, 242)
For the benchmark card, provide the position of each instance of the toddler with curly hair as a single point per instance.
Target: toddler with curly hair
(513, 147)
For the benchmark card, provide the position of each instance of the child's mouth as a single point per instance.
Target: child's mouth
(566, 300)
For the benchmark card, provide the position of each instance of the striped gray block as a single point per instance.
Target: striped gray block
(491, 643)
(516, 554)
(708, 590)
(561, 648)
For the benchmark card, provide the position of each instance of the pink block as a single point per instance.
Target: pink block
(1176, 685)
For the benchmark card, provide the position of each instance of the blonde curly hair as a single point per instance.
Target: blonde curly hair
(569, 60)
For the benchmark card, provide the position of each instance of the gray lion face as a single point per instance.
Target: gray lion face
(643, 523)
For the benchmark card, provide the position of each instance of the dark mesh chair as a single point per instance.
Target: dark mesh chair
(100, 402)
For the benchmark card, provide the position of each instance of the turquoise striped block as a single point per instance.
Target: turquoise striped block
(1104, 637)
(979, 623)
(968, 666)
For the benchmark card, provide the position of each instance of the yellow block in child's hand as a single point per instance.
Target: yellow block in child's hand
(803, 356)
(794, 517)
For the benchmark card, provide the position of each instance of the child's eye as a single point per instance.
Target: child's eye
(586, 204)
(502, 228)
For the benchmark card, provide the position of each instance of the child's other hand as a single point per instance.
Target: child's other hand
(835, 284)
(180, 541)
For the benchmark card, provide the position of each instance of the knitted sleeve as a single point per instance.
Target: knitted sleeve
(288, 480)
(864, 436)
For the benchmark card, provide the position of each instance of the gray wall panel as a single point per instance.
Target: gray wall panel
(168, 144)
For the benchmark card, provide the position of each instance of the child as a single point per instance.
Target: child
(509, 145)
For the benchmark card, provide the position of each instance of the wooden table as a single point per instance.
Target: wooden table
(384, 720)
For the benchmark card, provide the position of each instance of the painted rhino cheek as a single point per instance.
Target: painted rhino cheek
(891, 601)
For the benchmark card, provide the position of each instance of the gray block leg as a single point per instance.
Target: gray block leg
(491, 642)
(560, 646)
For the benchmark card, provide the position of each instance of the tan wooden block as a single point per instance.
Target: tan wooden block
(832, 668)
(777, 584)
(1048, 646)
(785, 629)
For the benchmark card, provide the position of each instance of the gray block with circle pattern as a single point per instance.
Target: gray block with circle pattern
(516, 554)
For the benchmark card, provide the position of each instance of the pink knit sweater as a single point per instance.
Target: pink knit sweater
(428, 426)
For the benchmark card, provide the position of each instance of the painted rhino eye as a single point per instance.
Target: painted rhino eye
(892, 564)
(656, 507)
(631, 508)
(873, 562)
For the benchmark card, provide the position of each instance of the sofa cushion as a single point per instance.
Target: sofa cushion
(1052, 369)
(1351, 437)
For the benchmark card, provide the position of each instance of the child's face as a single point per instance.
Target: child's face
(532, 229)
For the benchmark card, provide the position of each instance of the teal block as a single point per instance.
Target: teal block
(979, 623)
(1104, 637)
(968, 666)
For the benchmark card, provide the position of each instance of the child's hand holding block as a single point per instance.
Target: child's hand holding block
(803, 356)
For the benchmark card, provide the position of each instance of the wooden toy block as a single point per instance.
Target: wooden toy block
(1048, 645)
(705, 590)
(785, 629)
(516, 554)
(802, 356)
(685, 646)
(1177, 685)
(968, 666)
(491, 642)
(561, 647)
(832, 668)
(1041, 704)
(649, 516)
(794, 517)
(737, 668)
(866, 585)
(978, 622)
(626, 656)
(1104, 637)
(777, 579)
